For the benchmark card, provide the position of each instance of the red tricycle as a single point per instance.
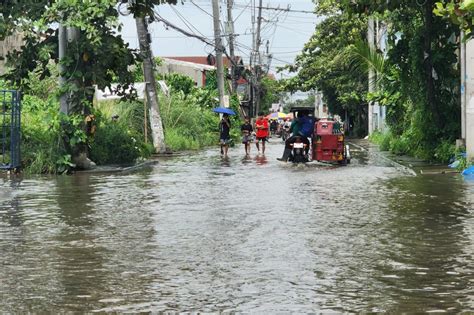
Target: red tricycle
(327, 138)
(328, 142)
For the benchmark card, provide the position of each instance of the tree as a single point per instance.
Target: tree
(324, 66)
(419, 85)
(269, 89)
(419, 74)
(460, 12)
(99, 56)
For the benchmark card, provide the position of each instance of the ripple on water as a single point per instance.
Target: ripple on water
(203, 234)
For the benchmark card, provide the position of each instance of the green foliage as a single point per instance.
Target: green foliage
(205, 97)
(179, 82)
(112, 144)
(324, 64)
(400, 145)
(211, 79)
(145, 8)
(188, 124)
(382, 139)
(417, 77)
(459, 12)
(445, 151)
(120, 136)
(42, 149)
(269, 93)
(463, 161)
(362, 57)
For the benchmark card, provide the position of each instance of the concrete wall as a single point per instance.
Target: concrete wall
(193, 70)
(9, 44)
(469, 94)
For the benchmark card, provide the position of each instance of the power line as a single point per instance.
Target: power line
(177, 28)
(201, 38)
(197, 6)
(243, 10)
(186, 22)
(279, 9)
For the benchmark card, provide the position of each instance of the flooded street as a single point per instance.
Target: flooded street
(199, 233)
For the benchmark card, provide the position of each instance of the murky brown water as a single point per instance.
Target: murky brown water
(200, 233)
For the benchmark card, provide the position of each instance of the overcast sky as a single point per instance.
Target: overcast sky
(287, 32)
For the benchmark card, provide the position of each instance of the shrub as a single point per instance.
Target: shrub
(42, 150)
(188, 125)
(445, 151)
(399, 145)
(382, 139)
(113, 145)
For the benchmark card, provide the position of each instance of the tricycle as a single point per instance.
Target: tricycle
(328, 143)
(324, 138)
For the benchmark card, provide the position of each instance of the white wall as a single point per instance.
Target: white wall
(192, 70)
(469, 93)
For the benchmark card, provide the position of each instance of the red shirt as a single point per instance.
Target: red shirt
(261, 125)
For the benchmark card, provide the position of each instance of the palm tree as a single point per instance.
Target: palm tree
(363, 58)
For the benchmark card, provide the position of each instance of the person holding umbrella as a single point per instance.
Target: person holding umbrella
(224, 130)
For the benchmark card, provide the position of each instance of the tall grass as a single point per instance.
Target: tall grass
(120, 134)
(188, 126)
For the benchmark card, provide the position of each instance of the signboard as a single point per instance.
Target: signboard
(109, 94)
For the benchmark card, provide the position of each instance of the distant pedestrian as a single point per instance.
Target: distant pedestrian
(261, 126)
(224, 129)
(247, 131)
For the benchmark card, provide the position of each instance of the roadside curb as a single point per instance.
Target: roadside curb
(119, 169)
(400, 167)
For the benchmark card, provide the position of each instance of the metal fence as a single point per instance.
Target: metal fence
(11, 128)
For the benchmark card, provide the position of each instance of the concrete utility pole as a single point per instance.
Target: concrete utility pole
(463, 87)
(218, 44)
(149, 74)
(258, 64)
(469, 98)
(62, 45)
(230, 25)
(370, 39)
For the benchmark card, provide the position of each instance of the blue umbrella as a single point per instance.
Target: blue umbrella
(223, 110)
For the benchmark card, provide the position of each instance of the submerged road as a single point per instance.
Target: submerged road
(202, 233)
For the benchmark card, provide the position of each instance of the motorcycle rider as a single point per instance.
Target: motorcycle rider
(295, 129)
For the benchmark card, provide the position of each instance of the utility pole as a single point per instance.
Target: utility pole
(463, 88)
(252, 81)
(150, 83)
(62, 45)
(371, 88)
(218, 44)
(230, 26)
(258, 64)
(468, 112)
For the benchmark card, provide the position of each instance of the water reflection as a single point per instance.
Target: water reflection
(261, 159)
(427, 257)
(202, 234)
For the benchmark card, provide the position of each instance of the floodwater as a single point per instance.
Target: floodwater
(204, 234)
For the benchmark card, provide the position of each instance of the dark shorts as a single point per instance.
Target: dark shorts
(247, 139)
(261, 139)
(224, 141)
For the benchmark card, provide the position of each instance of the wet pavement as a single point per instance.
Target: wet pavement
(247, 235)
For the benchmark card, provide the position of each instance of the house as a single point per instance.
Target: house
(196, 67)
(195, 71)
